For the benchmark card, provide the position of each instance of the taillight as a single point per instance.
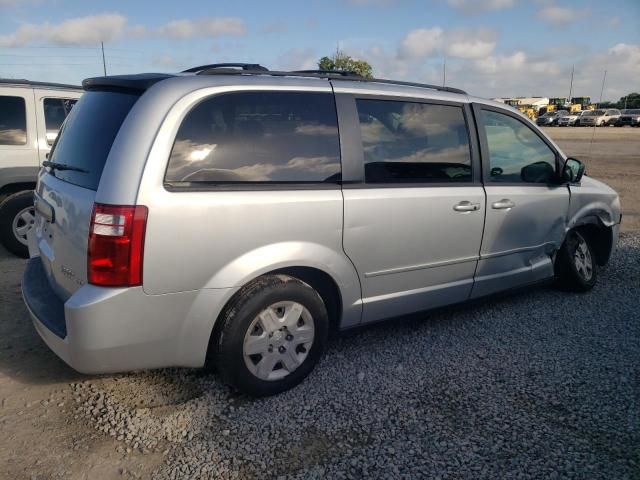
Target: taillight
(116, 245)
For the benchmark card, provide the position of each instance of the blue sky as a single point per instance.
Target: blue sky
(492, 47)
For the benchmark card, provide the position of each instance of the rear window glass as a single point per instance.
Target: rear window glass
(258, 137)
(55, 111)
(13, 121)
(87, 136)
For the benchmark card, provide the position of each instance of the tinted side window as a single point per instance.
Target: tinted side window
(258, 137)
(517, 153)
(13, 121)
(55, 111)
(406, 142)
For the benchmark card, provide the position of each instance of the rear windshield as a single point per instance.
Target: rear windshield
(87, 135)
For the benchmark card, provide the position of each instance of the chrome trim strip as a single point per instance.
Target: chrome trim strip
(421, 266)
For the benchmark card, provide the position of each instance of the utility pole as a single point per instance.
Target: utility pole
(602, 88)
(104, 63)
(571, 86)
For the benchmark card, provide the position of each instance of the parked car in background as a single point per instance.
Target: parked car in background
(550, 119)
(578, 122)
(295, 196)
(31, 114)
(600, 117)
(569, 120)
(629, 117)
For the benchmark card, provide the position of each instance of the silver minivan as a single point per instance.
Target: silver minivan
(232, 217)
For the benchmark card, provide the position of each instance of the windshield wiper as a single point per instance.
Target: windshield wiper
(63, 166)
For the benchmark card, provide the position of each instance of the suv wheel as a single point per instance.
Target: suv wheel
(576, 268)
(17, 216)
(272, 335)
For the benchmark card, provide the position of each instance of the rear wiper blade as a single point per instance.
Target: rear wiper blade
(62, 166)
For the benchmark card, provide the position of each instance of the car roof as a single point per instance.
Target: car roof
(21, 82)
(253, 74)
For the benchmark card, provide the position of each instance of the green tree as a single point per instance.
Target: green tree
(345, 63)
(632, 101)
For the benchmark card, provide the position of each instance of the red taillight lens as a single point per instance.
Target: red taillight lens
(116, 245)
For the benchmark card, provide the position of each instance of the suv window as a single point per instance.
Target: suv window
(88, 134)
(408, 142)
(517, 153)
(258, 137)
(13, 121)
(55, 111)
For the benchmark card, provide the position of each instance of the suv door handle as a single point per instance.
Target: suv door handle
(504, 204)
(466, 206)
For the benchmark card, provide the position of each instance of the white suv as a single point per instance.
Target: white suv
(31, 114)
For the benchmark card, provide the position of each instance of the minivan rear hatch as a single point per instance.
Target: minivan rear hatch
(67, 187)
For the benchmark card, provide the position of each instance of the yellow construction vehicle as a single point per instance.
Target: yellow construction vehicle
(584, 102)
(527, 110)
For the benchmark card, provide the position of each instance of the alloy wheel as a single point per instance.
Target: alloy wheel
(22, 223)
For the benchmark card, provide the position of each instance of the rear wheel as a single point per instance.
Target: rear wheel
(272, 335)
(17, 216)
(576, 268)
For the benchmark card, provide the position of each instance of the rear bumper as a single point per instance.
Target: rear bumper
(105, 330)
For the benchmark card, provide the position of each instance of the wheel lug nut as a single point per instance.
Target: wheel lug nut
(270, 349)
(289, 337)
(282, 349)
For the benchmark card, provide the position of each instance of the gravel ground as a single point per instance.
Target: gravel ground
(542, 384)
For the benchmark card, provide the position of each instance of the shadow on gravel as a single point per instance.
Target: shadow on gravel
(23, 355)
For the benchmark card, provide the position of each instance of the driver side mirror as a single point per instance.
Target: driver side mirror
(573, 170)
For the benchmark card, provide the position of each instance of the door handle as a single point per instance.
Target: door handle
(504, 204)
(466, 206)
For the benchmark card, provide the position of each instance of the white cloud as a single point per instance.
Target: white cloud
(107, 27)
(76, 31)
(297, 59)
(205, 27)
(428, 42)
(470, 44)
(474, 7)
(560, 16)
(421, 43)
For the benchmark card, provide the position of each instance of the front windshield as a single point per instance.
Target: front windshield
(635, 111)
(596, 113)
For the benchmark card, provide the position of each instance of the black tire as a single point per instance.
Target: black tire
(227, 343)
(9, 209)
(569, 275)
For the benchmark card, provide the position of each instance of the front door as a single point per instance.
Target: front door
(526, 211)
(413, 223)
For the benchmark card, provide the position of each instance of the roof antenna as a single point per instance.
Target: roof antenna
(444, 69)
(104, 63)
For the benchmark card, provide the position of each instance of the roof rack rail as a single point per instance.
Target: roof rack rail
(247, 69)
(22, 81)
(342, 73)
(241, 66)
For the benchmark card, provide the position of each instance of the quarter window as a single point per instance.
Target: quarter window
(517, 153)
(13, 121)
(408, 142)
(258, 137)
(55, 111)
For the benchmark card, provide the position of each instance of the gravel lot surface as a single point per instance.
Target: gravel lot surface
(541, 384)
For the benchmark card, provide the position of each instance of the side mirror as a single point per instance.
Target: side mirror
(573, 170)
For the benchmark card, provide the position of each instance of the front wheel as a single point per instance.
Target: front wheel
(576, 268)
(272, 335)
(17, 216)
